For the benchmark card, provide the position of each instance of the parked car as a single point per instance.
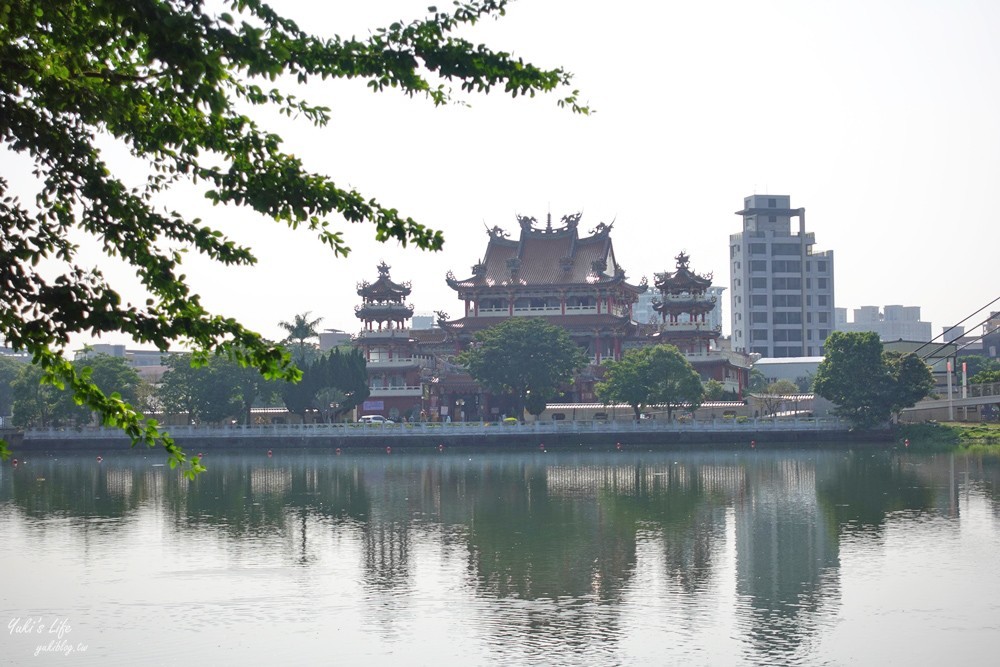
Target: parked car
(374, 419)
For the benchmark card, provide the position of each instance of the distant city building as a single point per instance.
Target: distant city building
(991, 336)
(150, 364)
(423, 322)
(332, 338)
(953, 333)
(890, 322)
(781, 291)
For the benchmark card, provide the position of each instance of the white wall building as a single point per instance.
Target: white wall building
(890, 322)
(781, 291)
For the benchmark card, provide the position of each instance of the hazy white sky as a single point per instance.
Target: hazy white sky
(880, 118)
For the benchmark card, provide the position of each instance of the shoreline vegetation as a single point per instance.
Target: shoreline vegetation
(973, 437)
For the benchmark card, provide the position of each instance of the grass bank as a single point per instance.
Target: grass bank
(944, 436)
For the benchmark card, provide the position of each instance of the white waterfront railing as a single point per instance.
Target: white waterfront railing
(453, 428)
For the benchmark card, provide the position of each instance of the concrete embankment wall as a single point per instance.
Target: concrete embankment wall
(501, 440)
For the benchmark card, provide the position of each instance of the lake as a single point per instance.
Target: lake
(755, 557)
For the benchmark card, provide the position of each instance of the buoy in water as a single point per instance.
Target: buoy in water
(753, 444)
(440, 448)
(618, 446)
(270, 453)
(388, 450)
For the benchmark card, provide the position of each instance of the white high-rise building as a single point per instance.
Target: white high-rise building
(781, 292)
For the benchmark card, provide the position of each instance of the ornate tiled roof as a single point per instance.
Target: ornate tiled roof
(683, 279)
(383, 289)
(544, 256)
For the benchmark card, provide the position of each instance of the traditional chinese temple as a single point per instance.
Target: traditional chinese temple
(556, 274)
(394, 367)
(551, 272)
(683, 305)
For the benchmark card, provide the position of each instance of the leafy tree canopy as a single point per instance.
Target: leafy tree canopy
(343, 372)
(524, 357)
(866, 383)
(977, 363)
(984, 377)
(773, 395)
(173, 80)
(658, 375)
(38, 402)
(757, 381)
(714, 390)
(300, 330)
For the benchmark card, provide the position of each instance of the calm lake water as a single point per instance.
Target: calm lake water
(618, 558)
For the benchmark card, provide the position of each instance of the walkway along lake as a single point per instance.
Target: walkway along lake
(713, 433)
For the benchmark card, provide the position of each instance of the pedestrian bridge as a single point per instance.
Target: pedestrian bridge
(956, 407)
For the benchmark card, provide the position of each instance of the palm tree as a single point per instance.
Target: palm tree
(301, 329)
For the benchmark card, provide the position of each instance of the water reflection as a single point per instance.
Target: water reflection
(539, 555)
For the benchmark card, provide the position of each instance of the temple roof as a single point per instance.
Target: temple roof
(547, 256)
(383, 289)
(683, 279)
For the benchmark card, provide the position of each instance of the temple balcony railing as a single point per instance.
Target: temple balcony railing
(400, 390)
(688, 297)
(685, 327)
(539, 310)
(735, 358)
(395, 362)
(383, 334)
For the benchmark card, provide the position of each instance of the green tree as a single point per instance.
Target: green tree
(757, 381)
(173, 82)
(300, 330)
(714, 390)
(868, 384)
(854, 377)
(658, 375)
(977, 363)
(215, 392)
(911, 380)
(45, 404)
(774, 395)
(340, 377)
(522, 355)
(34, 399)
(675, 383)
(627, 381)
(9, 370)
(985, 377)
(179, 387)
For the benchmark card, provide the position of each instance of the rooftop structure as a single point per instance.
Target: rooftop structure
(781, 289)
(553, 273)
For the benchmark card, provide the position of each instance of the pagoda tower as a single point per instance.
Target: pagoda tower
(393, 367)
(684, 302)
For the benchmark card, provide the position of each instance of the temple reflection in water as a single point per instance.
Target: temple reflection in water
(580, 537)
